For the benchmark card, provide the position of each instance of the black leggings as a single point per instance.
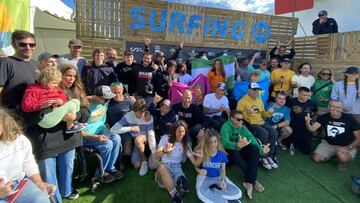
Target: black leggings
(247, 159)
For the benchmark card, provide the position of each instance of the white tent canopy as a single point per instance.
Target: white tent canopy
(53, 7)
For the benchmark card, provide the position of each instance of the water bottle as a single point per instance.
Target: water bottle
(292, 149)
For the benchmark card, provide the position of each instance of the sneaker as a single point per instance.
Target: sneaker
(276, 160)
(76, 128)
(176, 199)
(144, 168)
(356, 179)
(292, 149)
(182, 187)
(282, 146)
(117, 174)
(272, 162)
(73, 195)
(234, 201)
(265, 163)
(108, 178)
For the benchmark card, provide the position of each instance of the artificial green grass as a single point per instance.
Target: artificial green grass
(298, 179)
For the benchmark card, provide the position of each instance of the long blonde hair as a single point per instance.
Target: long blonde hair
(204, 144)
(11, 129)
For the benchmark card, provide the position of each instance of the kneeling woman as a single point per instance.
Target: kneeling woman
(212, 185)
(171, 152)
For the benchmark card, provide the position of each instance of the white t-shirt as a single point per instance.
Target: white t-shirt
(79, 62)
(185, 79)
(211, 102)
(176, 155)
(303, 81)
(17, 159)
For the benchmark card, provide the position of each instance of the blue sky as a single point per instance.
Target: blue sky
(257, 6)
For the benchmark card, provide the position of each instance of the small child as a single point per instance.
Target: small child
(304, 79)
(47, 96)
(212, 185)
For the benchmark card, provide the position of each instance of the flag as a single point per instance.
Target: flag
(199, 88)
(288, 6)
(241, 89)
(15, 15)
(202, 66)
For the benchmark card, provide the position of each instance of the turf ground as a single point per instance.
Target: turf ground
(298, 179)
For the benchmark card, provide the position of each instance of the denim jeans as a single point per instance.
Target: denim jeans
(31, 193)
(65, 163)
(267, 135)
(109, 150)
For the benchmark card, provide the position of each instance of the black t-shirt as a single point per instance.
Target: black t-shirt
(117, 109)
(339, 131)
(142, 80)
(123, 71)
(15, 75)
(298, 112)
(192, 115)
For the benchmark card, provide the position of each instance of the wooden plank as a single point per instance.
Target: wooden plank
(197, 36)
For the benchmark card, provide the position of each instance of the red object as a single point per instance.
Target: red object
(19, 189)
(288, 6)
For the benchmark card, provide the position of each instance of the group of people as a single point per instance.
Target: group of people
(121, 109)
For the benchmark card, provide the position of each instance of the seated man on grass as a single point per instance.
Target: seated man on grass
(342, 135)
(137, 127)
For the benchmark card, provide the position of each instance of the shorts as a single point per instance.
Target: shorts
(175, 172)
(327, 150)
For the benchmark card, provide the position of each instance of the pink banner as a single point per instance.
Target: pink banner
(199, 88)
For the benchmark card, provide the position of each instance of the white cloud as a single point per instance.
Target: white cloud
(257, 6)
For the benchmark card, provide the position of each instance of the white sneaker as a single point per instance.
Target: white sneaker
(144, 168)
(272, 162)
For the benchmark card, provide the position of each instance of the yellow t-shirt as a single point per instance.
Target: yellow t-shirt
(214, 80)
(256, 118)
(275, 77)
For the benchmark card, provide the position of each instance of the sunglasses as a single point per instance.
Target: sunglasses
(23, 44)
(321, 15)
(238, 119)
(326, 74)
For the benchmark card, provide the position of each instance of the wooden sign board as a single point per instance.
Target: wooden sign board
(169, 23)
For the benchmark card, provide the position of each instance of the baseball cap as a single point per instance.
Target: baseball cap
(221, 86)
(322, 13)
(254, 85)
(46, 56)
(166, 102)
(76, 42)
(159, 53)
(104, 92)
(352, 70)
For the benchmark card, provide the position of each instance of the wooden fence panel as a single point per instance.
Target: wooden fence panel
(197, 36)
(113, 21)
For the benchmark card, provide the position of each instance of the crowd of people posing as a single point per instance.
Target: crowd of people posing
(52, 106)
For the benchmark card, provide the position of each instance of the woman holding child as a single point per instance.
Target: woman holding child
(53, 146)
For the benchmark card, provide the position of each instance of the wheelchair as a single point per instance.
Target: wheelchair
(82, 153)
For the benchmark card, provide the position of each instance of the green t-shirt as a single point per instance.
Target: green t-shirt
(97, 119)
(324, 93)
